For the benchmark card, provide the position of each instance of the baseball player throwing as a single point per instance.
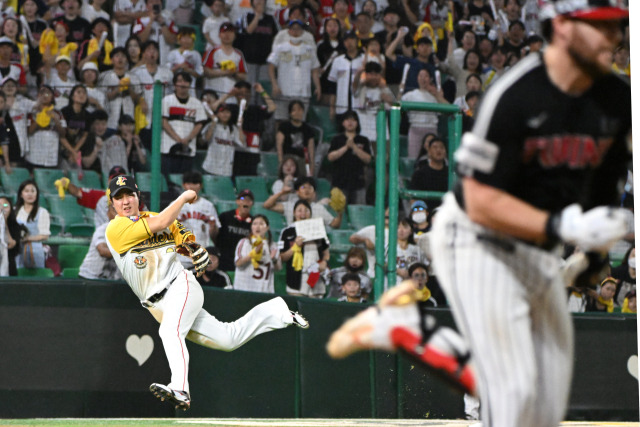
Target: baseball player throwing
(541, 167)
(145, 246)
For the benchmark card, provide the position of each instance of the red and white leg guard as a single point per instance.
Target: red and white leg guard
(441, 354)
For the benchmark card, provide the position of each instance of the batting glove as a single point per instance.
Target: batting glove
(595, 230)
(199, 256)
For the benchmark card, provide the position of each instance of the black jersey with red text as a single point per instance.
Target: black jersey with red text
(546, 147)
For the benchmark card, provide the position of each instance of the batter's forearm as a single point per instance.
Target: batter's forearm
(500, 211)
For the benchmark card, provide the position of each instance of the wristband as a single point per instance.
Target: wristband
(551, 229)
(264, 92)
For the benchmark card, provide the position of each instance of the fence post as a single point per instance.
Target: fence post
(394, 157)
(156, 139)
(381, 158)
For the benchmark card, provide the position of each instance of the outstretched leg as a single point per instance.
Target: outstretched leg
(406, 327)
(267, 316)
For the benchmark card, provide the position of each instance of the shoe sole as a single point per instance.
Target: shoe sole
(163, 395)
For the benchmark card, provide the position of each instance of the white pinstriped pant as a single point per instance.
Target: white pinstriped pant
(508, 300)
(182, 314)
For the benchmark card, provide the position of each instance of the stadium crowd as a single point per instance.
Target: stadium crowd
(268, 112)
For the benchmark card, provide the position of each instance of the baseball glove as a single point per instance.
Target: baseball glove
(338, 200)
(199, 256)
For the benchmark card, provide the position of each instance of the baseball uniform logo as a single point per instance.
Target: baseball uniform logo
(134, 218)
(140, 262)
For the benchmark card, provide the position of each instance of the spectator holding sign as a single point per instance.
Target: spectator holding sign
(305, 259)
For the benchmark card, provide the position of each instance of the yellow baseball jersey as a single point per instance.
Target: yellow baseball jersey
(148, 261)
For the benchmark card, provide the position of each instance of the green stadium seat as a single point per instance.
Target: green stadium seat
(55, 227)
(80, 230)
(89, 215)
(35, 272)
(11, 182)
(318, 115)
(406, 167)
(361, 216)
(218, 187)
(323, 188)
(70, 273)
(143, 179)
(276, 220)
(45, 179)
(256, 184)
(71, 255)
(43, 202)
(67, 210)
(225, 205)
(90, 179)
(337, 259)
(176, 178)
(269, 164)
(339, 240)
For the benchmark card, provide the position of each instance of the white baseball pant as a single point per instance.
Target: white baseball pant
(508, 300)
(182, 315)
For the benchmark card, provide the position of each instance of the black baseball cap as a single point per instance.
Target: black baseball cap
(245, 193)
(227, 26)
(213, 250)
(122, 182)
(117, 171)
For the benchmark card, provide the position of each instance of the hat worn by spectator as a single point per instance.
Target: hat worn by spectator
(418, 205)
(245, 193)
(424, 40)
(8, 78)
(90, 66)
(227, 26)
(6, 40)
(120, 183)
(223, 106)
(213, 250)
(116, 171)
(302, 181)
(61, 58)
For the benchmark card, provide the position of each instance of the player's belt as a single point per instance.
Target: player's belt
(153, 299)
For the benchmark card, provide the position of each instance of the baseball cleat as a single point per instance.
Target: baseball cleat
(179, 398)
(354, 335)
(444, 354)
(299, 320)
